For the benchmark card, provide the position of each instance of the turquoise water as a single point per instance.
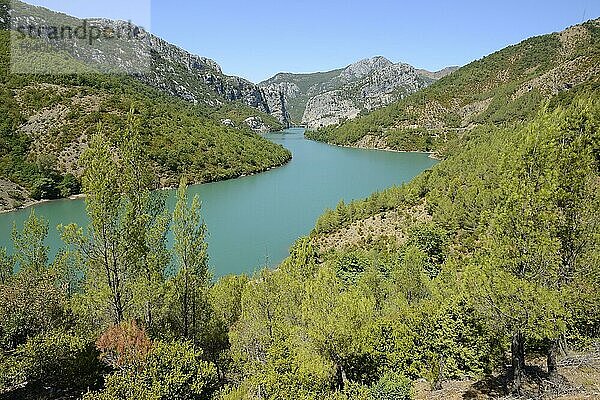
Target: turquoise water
(252, 221)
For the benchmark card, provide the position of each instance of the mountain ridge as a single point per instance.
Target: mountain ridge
(162, 65)
(326, 97)
(507, 85)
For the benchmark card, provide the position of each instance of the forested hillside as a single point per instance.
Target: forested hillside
(479, 279)
(495, 263)
(503, 87)
(48, 119)
(490, 259)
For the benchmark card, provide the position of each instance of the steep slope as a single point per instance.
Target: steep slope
(325, 98)
(405, 278)
(298, 88)
(47, 119)
(505, 86)
(151, 59)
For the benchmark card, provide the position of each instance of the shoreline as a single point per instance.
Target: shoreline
(431, 154)
(33, 203)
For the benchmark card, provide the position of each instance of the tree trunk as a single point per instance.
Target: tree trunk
(517, 349)
(340, 376)
(551, 357)
(119, 312)
(439, 375)
(563, 347)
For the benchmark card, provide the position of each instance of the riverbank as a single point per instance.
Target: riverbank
(24, 201)
(431, 154)
(31, 203)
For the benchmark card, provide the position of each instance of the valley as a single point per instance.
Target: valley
(428, 235)
(249, 211)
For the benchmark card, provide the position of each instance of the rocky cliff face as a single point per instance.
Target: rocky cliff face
(120, 47)
(276, 104)
(326, 98)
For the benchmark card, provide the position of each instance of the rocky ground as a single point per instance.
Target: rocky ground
(578, 378)
(13, 196)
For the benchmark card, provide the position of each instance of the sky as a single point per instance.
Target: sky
(257, 39)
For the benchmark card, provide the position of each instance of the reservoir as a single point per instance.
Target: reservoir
(252, 221)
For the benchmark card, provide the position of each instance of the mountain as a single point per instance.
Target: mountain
(298, 88)
(194, 120)
(506, 86)
(437, 74)
(150, 59)
(325, 98)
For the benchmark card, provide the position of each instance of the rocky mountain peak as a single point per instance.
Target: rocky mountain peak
(132, 50)
(364, 67)
(324, 98)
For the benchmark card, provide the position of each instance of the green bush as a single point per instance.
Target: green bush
(392, 386)
(69, 185)
(31, 305)
(171, 371)
(60, 359)
(44, 188)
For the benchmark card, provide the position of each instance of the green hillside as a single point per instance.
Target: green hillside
(497, 257)
(48, 118)
(506, 86)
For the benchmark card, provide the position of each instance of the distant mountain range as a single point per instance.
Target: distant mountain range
(507, 86)
(317, 99)
(325, 98)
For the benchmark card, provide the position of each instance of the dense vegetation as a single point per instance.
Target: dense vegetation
(506, 265)
(46, 120)
(504, 87)
(497, 260)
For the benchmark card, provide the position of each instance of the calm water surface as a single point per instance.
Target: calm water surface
(252, 221)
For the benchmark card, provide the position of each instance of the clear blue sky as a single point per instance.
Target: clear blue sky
(256, 39)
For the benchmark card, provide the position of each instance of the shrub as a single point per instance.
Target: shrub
(392, 386)
(60, 359)
(171, 371)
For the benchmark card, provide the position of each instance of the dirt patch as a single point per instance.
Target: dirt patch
(578, 378)
(391, 224)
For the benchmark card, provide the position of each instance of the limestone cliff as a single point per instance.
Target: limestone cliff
(326, 98)
(131, 50)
